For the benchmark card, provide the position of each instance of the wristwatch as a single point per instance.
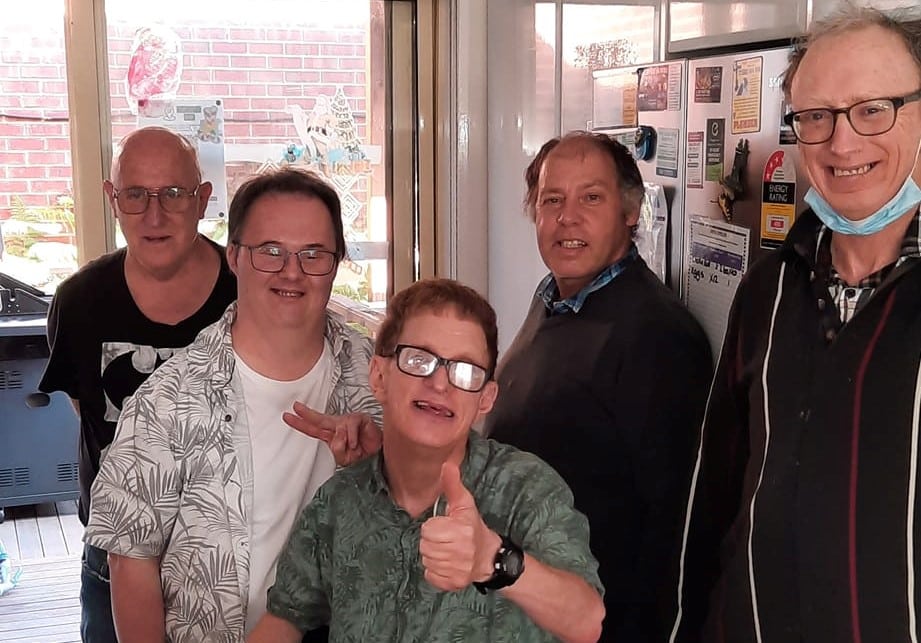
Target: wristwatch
(507, 567)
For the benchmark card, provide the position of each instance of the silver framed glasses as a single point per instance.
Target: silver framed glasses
(868, 118)
(420, 362)
(173, 198)
(270, 257)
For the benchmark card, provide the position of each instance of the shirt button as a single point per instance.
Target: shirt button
(804, 415)
(821, 304)
(830, 334)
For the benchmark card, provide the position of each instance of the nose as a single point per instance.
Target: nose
(844, 139)
(439, 378)
(154, 214)
(568, 213)
(292, 268)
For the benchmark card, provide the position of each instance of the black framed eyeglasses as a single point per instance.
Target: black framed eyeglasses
(420, 362)
(270, 257)
(173, 198)
(868, 118)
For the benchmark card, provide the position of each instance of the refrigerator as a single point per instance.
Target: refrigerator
(743, 185)
(718, 161)
(644, 107)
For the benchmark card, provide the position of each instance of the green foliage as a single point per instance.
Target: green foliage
(362, 293)
(61, 213)
(214, 229)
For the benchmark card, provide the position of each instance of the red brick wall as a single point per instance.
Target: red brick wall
(257, 70)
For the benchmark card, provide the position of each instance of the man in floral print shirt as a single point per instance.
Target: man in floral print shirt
(203, 481)
(443, 535)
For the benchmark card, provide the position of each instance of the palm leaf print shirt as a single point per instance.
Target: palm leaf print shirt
(177, 482)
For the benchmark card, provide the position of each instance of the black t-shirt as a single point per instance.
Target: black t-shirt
(103, 348)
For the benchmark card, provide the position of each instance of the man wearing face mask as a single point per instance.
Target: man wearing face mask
(803, 520)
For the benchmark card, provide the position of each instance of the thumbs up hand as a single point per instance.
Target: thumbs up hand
(457, 548)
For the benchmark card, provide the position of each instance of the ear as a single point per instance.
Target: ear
(204, 193)
(632, 217)
(109, 188)
(377, 377)
(487, 397)
(233, 253)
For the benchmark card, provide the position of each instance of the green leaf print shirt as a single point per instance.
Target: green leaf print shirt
(352, 560)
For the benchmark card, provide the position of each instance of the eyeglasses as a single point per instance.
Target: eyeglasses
(270, 257)
(173, 199)
(868, 118)
(419, 362)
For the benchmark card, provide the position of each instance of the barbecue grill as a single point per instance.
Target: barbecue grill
(38, 432)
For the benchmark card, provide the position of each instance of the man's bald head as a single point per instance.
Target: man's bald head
(148, 141)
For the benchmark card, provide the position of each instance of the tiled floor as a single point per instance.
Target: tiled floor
(45, 541)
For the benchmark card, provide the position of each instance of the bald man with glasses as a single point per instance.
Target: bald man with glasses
(199, 489)
(124, 314)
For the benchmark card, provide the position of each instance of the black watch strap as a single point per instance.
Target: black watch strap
(507, 567)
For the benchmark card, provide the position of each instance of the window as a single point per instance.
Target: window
(37, 234)
(329, 84)
(600, 36)
(259, 85)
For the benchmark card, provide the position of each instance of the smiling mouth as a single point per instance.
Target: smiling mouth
(853, 171)
(572, 244)
(294, 294)
(437, 409)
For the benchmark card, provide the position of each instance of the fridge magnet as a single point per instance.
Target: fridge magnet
(708, 84)
(652, 94)
(716, 140)
(731, 186)
(778, 199)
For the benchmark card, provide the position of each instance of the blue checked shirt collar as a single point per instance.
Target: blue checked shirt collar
(549, 293)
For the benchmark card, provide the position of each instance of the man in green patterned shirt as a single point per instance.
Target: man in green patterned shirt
(443, 535)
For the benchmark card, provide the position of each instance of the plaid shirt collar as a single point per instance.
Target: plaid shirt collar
(849, 299)
(549, 293)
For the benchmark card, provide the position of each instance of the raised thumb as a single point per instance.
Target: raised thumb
(453, 488)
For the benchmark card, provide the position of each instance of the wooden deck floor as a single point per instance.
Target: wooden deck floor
(45, 540)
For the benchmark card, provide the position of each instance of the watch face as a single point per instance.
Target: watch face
(513, 561)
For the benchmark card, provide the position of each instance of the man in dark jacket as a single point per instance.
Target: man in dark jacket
(607, 378)
(802, 520)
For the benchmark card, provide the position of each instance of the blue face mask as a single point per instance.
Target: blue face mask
(907, 198)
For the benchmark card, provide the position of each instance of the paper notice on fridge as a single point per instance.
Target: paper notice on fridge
(746, 95)
(674, 87)
(629, 104)
(718, 257)
(694, 171)
(667, 154)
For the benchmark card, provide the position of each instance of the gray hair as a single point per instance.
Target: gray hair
(849, 16)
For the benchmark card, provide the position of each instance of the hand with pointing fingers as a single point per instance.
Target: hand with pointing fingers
(457, 548)
(350, 437)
